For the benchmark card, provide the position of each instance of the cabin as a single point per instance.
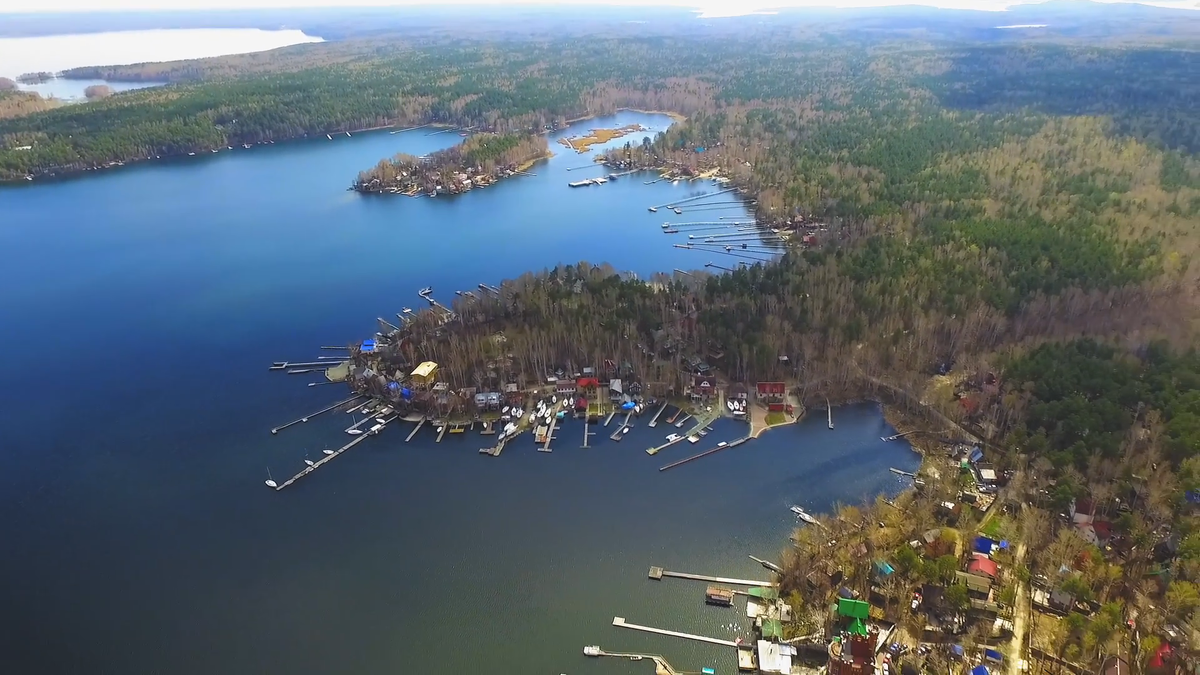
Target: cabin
(513, 394)
(565, 387)
(616, 391)
(425, 374)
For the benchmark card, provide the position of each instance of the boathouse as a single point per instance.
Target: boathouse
(425, 374)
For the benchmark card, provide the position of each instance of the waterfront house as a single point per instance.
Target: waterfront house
(425, 374)
(771, 392)
(513, 394)
(565, 387)
(703, 387)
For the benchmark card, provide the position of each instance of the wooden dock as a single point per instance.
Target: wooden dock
(731, 444)
(679, 424)
(657, 573)
(654, 422)
(586, 432)
(549, 434)
(902, 473)
(616, 435)
(416, 429)
(327, 458)
(661, 665)
(610, 416)
(442, 431)
(622, 623)
(322, 410)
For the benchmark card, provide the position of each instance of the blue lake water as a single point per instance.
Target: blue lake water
(74, 90)
(141, 308)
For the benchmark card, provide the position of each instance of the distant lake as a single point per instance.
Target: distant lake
(55, 53)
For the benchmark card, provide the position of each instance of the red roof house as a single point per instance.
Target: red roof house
(982, 565)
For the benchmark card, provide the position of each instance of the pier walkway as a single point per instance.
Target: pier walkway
(654, 422)
(549, 434)
(416, 429)
(327, 458)
(660, 663)
(731, 444)
(322, 410)
(621, 622)
(658, 573)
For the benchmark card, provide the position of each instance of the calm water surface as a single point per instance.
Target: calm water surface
(140, 310)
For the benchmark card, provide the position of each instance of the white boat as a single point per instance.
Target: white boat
(327, 451)
(270, 480)
(375, 429)
(803, 515)
(554, 399)
(532, 417)
(729, 404)
(309, 462)
(722, 444)
(703, 432)
(693, 439)
(329, 137)
(624, 430)
(673, 437)
(426, 291)
(354, 432)
(591, 650)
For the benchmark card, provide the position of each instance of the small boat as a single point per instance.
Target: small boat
(504, 411)
(722, 444)
(310, 462)
(270, 480)
(554, 399)
(425, 291)
(329, 137)
(327, 451)
(678, 211)
(592, 650)
(653, 209)
(246, 146)
(693, 439)
(347, 134)
(673, 437)
(354, 432)
(191, 154)
(532, 417)
(803, 515)
(703, 432)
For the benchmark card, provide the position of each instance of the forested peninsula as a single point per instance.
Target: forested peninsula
(1008, 242)
(479, 161)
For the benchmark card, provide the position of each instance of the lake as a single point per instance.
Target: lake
(141, 308)
(55, 53)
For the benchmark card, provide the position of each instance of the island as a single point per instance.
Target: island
(582, 144)
(97, 91)
(477, 162)
(35, 78)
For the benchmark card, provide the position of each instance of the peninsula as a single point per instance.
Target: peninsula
(477, 162)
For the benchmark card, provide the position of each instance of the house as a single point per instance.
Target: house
(981, 565)
(564, 387)
(1083, 512)
(513, 394)
(1060, 601)
(481, 401)
(771, 391)
(425, 374)
(616, 390)
(493, 400)
(985, 474)
(737, 392)
(703, 386)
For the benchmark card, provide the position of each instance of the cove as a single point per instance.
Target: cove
(141, 308)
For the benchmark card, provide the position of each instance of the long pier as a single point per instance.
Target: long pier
(308, 417)
(327, 458)
(622, 623)
(898, 472)
(654, 422)
(692, 199)
(586, 432)
(416, 429)
(731, 444)
(610, 416)
(661, 665)
(616, 435)
(657, 573)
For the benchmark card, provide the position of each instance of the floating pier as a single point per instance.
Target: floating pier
(829, 410)
(902, 473)
(616, 435)
(621, 622)
(610, 416)
(442, 431)
(654, 422)
(691, 199)
(657, 573)
(731, 444)
(679, 424)
(317, 464)
(322, 410)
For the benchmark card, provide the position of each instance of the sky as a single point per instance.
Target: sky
(709, 7)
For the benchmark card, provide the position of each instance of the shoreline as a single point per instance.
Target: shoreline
(118, 164)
